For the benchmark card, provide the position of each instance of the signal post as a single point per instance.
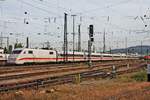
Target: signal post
(148, 72)
(90, 42)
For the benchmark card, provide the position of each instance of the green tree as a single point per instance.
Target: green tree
(10, 48)
(5, 50)
(18, 45)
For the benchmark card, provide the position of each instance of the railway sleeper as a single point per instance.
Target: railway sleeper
(58, 80)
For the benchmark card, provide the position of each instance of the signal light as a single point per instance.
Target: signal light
(91, 30)
(91, 35)
(92, 39)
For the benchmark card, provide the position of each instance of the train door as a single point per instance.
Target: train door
(56, 56)
(53, 56)
(31, 57)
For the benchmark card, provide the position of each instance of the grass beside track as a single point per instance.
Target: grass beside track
(126, 87)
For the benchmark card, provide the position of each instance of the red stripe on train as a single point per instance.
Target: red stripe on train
(105, 58)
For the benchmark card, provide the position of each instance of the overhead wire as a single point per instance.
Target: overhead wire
(47, 4)
(49, 12)
(106, 7)
(39, 8)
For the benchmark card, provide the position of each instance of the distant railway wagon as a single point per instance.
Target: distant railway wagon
(24, 55)
(3, 56)
(146, 57)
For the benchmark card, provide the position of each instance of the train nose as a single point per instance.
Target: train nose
(12, 59)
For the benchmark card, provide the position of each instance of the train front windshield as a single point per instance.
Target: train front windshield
(16, 51)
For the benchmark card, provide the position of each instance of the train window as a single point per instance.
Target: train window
(0, 52)
(30, 52)
(51, 53)
(16, 52)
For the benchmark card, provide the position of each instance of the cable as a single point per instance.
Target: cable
(106, 7)
(46, 5)
(31, 5)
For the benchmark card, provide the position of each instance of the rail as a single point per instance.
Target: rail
(65, 77)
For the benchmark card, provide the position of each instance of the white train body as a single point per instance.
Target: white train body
(3, 56)
(21, 56)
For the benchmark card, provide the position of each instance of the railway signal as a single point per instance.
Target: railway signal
(27, 42)
(91, 32)
(91, 40)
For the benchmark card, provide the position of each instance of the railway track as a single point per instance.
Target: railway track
(61, 64)
(9, 74)
(22, 69)
(51, 71)
(59, 77)
(15, 69)
(46, 68)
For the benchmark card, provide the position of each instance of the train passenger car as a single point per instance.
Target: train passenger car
(78, 56)
(83, 56)
(21, 56)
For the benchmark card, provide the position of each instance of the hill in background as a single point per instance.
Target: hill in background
(144, 50)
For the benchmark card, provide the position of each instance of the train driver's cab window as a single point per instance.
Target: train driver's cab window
(16, 51)
(0, 52)
(51, 53)
(30, 52)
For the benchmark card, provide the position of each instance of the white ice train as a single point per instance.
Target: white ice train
(3, 56)
(24, 55)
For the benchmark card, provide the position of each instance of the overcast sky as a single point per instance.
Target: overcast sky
(119, 18)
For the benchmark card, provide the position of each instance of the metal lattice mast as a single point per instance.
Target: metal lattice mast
(73, 34)
(79, 38)
(65, 46)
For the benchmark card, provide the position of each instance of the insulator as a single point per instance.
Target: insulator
(27, 22)
(145, 25)
(25, 13)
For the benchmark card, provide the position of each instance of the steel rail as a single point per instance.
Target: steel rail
(21, 69)
(51, 71)
(64, 78)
